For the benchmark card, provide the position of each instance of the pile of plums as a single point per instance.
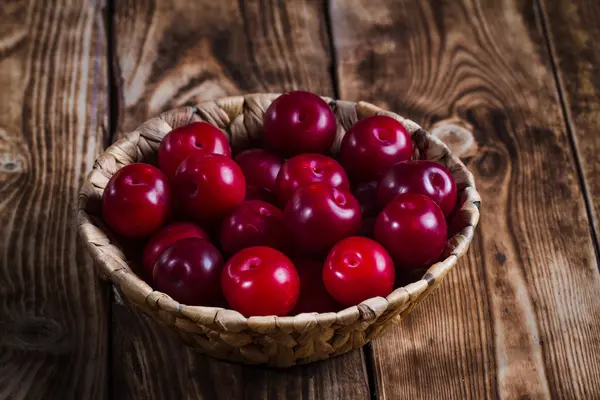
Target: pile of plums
(286, 227)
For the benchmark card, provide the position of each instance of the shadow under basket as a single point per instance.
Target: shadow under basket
(274, 341)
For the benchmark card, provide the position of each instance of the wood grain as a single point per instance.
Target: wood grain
(173, 53)
(170, 53)
(573, 31)
(53, 111)
(520, 316)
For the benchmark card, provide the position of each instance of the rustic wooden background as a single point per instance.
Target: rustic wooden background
(519, 317)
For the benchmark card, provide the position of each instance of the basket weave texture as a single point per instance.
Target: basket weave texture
(275, 341)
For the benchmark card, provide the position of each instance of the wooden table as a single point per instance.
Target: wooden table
(519, 317)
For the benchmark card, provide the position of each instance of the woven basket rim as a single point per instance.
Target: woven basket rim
(113, 264)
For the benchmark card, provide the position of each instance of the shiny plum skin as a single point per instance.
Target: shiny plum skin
(304, 169)
(299, 122)
(164, 238)
(423, 177)
(194, 138)
(319, 215)
(357, 269)
(260, 281)
(136, 201)
(189, 271)
(413, 229)
(372, 146)
(209, 186)
(253, 223)
(260, 167)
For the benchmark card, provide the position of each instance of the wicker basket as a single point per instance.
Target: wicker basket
(275, 341)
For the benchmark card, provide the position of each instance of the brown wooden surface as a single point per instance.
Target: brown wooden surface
(53, 109)
(573, 33)
(520, 316)
(174, 53)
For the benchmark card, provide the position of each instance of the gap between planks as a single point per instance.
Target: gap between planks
(542, 17)
(113, 117)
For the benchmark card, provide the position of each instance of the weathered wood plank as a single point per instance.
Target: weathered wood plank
(171, 53)
(53, 113)
(573, 30)
(520, 316)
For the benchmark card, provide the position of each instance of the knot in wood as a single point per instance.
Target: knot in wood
(457, 134)
(37, 333)
(9, 165)
(492, 163)
(11, 157)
